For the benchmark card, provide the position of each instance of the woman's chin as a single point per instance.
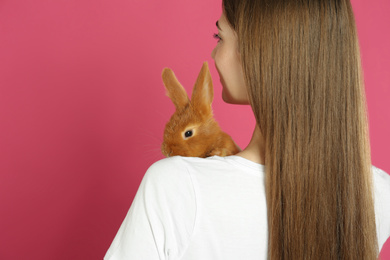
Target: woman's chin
(229, 100)
(226, 98)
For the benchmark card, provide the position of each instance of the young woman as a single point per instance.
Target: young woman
(304, 187)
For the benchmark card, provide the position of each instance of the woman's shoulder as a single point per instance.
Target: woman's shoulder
(179, 167)
(166, 167)
(166, 162)
(176, 166)
(168, 177)
(208, 168)
(184, 161)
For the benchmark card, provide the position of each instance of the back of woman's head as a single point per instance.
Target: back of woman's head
(302, 69)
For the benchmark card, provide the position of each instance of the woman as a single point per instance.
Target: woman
(304, 188)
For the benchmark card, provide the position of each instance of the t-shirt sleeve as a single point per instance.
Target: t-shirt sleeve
(382, 205)
(162, 215)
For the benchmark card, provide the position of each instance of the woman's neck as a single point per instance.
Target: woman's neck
(255, 150)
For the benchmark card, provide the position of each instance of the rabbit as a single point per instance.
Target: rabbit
(192, 131)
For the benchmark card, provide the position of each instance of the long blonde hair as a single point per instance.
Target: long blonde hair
(302, 67)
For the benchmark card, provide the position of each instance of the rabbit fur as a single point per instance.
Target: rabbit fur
(192, 131)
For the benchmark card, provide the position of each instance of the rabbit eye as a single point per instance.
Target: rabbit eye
(188, 134)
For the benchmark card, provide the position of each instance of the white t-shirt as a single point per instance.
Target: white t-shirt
(211, 208)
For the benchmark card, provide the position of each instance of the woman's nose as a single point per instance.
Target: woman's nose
(213, 53)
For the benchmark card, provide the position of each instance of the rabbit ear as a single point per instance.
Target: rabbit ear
(174, 90)
(202, 94)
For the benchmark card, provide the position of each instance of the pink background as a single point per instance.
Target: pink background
(83, 108)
